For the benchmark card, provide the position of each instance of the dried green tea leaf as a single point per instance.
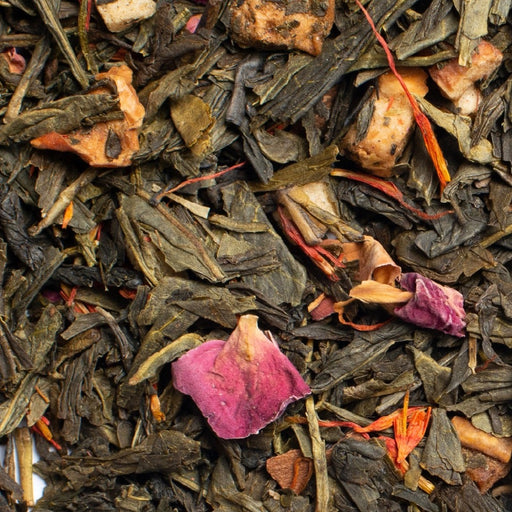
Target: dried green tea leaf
(315, 168)
(466, 498)
(13, 410)
(435, 377)
(148, 369)
(436, 24)
(281, 146)
(472, 26)
(10, 486)
(285, 284)
(63, 115)
(362, 351)
(194, 122)
(365, 474)
(44, 335)
(164, 451)
(446, 268)
(460, 127)
(180, 246)
(442, 455)
(374, 387)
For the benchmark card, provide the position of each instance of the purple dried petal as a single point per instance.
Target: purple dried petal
(242, 384)
(433, 306)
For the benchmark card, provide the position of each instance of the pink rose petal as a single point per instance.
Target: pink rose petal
(433, 306)
(242, 384)
(193, 23)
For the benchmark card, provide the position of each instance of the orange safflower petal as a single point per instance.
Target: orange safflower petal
(317, 254)
(68, 215)
(408, 439)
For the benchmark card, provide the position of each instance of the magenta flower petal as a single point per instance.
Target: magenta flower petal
(433, 306)
(242, 384)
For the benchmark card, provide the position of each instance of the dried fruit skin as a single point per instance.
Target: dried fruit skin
(242, 384)
(291, 470)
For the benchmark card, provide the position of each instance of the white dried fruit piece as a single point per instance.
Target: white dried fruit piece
(468, 103)
(457, 82)
(377, 148)
(119, 15)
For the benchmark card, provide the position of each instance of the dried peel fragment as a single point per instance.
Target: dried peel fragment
(106, 144)
(242, 384)
(291, 470)
(476, 439)
(374, 261)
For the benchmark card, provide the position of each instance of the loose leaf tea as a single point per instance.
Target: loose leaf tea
(255, 255)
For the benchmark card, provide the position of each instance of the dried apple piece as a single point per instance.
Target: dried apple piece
(106, 144)
(118, 15)
(390, 124)
(458, 82)
(289, 24)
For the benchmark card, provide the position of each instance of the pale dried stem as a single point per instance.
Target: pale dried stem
(23, 440)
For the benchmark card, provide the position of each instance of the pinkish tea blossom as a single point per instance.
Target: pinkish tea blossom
(433, 306)
(242, 384)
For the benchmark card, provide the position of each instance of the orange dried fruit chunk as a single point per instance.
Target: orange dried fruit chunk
(106, 144)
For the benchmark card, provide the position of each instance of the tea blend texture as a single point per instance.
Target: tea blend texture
(256, 255)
